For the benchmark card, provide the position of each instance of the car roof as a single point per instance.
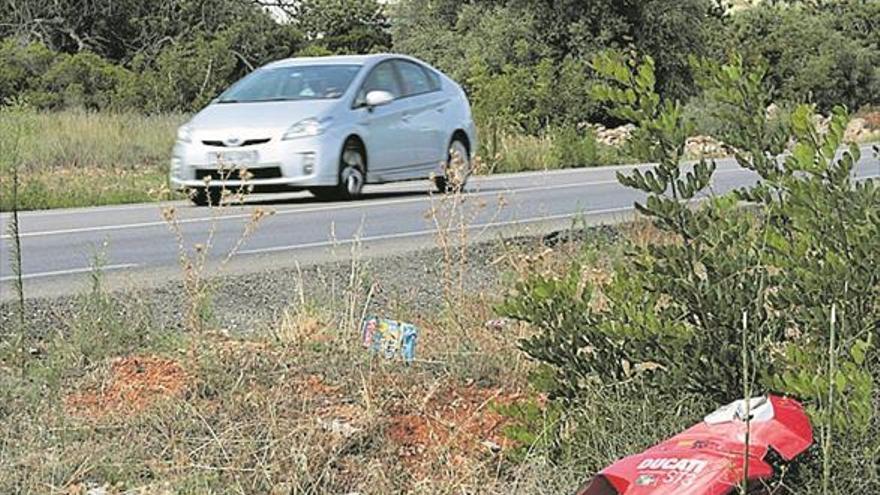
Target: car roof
(335, 60)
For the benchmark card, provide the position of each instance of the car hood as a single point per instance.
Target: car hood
(274, 115)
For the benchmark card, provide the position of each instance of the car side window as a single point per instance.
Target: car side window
(382, 78)
(415, 78)
(435, 80)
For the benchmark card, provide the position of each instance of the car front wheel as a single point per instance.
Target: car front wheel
(352, 176)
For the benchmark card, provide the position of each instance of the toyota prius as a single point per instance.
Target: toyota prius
(329, 125)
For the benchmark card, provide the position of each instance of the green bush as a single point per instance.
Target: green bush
(186, 76)
(564, 147)
(571, 148)
(731, 301)
(23, 64)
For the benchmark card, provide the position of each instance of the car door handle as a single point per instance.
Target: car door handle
(406, 117)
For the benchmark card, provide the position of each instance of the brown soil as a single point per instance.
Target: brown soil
(135, 384)
(457, 423)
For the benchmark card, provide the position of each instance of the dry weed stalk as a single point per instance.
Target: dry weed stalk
(193, 259)
(453, 215)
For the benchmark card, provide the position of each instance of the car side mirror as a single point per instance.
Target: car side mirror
(378, 98)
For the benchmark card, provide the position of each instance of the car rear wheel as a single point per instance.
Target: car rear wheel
(352, 175)
(458, 168)
(206, 196)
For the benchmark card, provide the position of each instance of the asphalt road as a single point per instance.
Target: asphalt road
(138, 248)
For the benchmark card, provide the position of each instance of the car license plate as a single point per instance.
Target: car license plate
(232, 159)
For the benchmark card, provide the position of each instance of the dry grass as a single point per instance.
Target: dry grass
(452, 213)
(301, 409)
(81, 140)
(311, 412)
(77, 158)
(115, 402)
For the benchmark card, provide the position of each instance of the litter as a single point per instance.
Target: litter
(708, 458)
(390, 338)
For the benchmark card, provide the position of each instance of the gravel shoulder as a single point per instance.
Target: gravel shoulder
(410, 283)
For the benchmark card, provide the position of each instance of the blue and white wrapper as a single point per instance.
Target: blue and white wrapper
(390, 338)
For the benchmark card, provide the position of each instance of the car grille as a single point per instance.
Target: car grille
(249, 142)
(234, 174)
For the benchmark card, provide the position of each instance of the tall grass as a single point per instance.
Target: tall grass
(80, 139)
(79, 158)
(553, 150)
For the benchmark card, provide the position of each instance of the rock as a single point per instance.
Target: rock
(613, 137)
(704, 146)
(872, 121)
(97, 490)
(339, 427)
(821, 122)
(498, 324)
(492, 446)
(856, 130)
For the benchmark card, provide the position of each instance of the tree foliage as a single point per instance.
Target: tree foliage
(827, 53)
(168, 54)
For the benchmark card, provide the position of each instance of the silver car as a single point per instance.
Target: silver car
(328, 125)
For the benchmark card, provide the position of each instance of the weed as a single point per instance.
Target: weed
(15, 127)
(452, 212)
(193, 258)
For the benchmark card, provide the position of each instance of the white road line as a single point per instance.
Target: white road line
(419, 233)
(68, 272)
(353, 205)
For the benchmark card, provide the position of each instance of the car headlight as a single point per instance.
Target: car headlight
(184, 134)
(307, 128)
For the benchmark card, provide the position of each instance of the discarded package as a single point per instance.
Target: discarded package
(708, 458)
(390, 338)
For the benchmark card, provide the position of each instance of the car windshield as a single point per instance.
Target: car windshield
(300, 82)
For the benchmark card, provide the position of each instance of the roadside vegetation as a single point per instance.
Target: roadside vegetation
(108, 94)
(584, 348)
(79, 158)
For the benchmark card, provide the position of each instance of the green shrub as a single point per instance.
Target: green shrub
(555, 149)
(573, 149)
(727, 285)
(186, 76)
(22, 66)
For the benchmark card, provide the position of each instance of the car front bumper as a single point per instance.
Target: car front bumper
(296, 163)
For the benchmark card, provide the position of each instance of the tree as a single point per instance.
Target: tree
(497, 34)
(341, 26)
(828, 55)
